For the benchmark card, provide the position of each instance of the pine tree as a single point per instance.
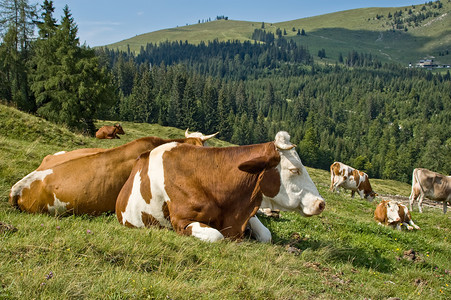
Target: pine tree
(17, 26)
(68, 84)
(210, 106)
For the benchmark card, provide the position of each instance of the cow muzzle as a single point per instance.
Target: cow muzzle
(318, 207)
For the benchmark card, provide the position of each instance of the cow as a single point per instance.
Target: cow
(110, 132)
(214, 193)
(426, 183)
(395, 214)
(347, 177)
(83, 181)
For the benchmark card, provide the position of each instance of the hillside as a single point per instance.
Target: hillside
(341, 254)
(366, 30)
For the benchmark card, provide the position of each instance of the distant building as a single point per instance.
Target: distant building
(426, 63)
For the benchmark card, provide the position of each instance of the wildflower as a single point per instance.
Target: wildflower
(50, 275)
(57, 227)
(88, 231)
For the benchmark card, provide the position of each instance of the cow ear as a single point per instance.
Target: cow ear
(254, 166)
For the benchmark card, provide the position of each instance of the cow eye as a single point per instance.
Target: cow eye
(295, 171)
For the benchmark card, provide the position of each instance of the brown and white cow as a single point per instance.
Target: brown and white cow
(347, 177)
(426, 183)
(83, 181)
(212, 193)
(110, 132)
(395, 214)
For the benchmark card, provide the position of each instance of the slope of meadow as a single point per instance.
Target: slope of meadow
(341, 254)
(362, 30)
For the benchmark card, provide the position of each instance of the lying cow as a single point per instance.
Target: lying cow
(395, 214)
(426, 183)
(110, 132)
(213, 193)
(83, 181)
(347, 177)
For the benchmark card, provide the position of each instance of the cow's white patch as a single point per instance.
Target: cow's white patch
(207, 234)
(392, 212)
(59, 153)
(26, 182)
(58, 207)
(156, 172)
(136, 205)
(259, 231)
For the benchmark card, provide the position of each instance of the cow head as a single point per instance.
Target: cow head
(370, 196)
(119, 128)
(297, 191)
(392, 212)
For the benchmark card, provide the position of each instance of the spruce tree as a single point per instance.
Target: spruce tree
(68, 83)
(16, 26)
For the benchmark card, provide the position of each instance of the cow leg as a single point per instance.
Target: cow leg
(352, 193)
(336, 184)
(413, 225)
(411, 200)
(202, 232)
(445, 206)
(407, 225)
(259, 231)
(420, 203)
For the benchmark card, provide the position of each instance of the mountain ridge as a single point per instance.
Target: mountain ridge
(401, 34)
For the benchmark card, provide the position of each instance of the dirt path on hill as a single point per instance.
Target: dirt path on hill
(405, 200)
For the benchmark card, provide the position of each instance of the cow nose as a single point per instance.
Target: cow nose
(321, 205)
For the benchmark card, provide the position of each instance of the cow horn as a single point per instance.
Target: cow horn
(207, 137)
(186, 133)
(285, 146)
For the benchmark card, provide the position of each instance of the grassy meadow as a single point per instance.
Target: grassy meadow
(341, 254)
(340, 32)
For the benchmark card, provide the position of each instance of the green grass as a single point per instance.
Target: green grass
(340, 32)
(341, 254)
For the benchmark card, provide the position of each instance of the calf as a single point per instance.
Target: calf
(395, 214)
(212, 193)
(347, 177)
(110, 132)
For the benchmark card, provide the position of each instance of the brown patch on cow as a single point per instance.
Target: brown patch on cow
(380, 214)
(219, 195)
(270, 184)
(165, 210)
(128, 224)
(143, 166)
(149, 220)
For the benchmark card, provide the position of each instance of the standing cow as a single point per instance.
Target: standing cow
(213, 193)
(395, 214)
(83, 181)
(347, 177)
(426, 183)
(110, 132)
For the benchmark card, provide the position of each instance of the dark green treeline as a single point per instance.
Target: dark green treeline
(383, 119)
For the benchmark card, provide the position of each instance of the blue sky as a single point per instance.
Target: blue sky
(102, 22)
